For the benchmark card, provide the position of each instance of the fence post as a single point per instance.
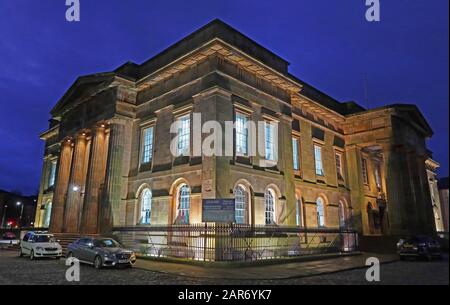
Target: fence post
(205, 241)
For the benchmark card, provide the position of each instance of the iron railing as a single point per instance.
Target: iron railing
(233, 242)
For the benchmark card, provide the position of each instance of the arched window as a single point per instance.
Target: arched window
(342, 218)
(183, 204)
(270, 207)
(241, 204)
(146, 207)
(47, 214)
(320, 212)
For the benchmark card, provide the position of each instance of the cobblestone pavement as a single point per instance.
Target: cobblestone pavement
(15, 270)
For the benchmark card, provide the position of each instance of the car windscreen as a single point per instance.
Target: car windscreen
(43, 239)
(106, 243)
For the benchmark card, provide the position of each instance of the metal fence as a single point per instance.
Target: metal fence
(232, 242)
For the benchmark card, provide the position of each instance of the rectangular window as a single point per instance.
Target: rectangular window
(184, 135)
(241, 134)
(296, 154)
(339, 171)
(147, 145)
(269, 141)
(52, 173)
(364, 171)
(318, 160)
(378, 175)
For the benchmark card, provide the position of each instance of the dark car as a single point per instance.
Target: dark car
(9, 236)
(419, 246)
(101, 252)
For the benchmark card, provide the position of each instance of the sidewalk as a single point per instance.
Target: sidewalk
(321, 265)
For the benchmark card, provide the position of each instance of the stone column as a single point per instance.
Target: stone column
(59, 197)
(38, 214)
(395, 190)
(425, 204)
(355, 182)
(95, 178)
(76, 185)
(110, 203)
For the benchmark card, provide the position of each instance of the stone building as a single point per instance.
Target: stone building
(432, 166)
(108, 162)
(443, 198)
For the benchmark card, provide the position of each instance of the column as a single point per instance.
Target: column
(395, 190)
(95, 178)
(425, 204)
(76, 185)
(355, 182)
(56, 221)
(110, 203)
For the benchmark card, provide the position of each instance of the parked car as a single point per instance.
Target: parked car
(38, 244)
(9, 236)
(419, 246)
(101, 252)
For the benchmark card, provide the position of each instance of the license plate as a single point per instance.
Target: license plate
(123, 261)
(408, 246)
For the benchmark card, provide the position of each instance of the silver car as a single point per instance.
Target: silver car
(101, 252)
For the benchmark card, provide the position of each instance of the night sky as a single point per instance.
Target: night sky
(328, 43)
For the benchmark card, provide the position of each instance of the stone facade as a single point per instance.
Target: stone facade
(372, 178)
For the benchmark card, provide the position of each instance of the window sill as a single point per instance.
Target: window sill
(145, 167)
(181, 160)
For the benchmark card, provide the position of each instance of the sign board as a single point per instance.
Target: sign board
(218, 210)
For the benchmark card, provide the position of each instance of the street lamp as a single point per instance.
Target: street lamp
(5, 207)
(18, 203)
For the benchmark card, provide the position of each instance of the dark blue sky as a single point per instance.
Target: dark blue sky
(328, 43)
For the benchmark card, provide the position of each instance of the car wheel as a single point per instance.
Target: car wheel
(32, 255)
(402, 258)
(20, 253)
(98, 262)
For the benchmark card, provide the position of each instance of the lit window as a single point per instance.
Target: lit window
(342, 218)
(298, 212)
(318, 160)
(183, 205)
(147, 145)
(320, 212)
(241, 134)
(296, 154)
(378, 175)
(269, 141)
(47, 214)
(270, 207)
(339, 171)
(364, 171)
(51, 178)
(240, 201)
(146, 207)
(184, 135)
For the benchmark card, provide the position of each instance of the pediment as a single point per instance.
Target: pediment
(83, 87)
(412, 114)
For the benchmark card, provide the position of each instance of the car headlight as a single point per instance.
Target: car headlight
(39, 249)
